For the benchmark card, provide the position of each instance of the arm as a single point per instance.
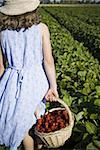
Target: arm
(49, 61)
(1, 60)
(1, 63)
(48, 58)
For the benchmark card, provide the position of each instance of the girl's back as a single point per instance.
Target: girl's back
(24, 43)
(23, 84)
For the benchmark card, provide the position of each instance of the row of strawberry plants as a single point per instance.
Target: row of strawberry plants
(89, 35)
(78, 78)
(87, 14)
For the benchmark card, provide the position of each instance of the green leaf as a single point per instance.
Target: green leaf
(86, 90)
(93, 116)
(85, 135)
(79, 115)
(67, 99)
(97, 90)
(96, 143)
(82, 73)
(97, 102)
(68, 78)
(91, 146)
(91, 128)
(75, 84)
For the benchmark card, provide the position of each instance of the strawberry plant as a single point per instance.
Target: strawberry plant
(87, 14)
(78, 76)
(83, 32)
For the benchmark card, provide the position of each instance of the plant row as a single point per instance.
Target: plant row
(89, 15)
(89, 35)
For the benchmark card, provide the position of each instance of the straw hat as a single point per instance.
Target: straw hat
(18, 7)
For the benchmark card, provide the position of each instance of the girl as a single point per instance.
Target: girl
(29, 78)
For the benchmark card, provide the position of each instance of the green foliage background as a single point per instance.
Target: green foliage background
(78, 78)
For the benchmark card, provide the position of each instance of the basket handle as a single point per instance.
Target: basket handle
(71, 118)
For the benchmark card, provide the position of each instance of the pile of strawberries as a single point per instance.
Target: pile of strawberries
(53, 121)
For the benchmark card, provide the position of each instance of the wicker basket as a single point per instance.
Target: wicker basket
(57, 138)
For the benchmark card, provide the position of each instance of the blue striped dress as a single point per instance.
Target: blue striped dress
(23, 84)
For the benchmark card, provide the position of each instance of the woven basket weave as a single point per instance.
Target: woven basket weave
(57, 138)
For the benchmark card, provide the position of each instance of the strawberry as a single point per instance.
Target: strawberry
(53, 121)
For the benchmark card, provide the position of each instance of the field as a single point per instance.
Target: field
(75, 39)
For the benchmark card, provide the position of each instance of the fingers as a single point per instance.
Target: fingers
(52, 95)
(47, 97)
(55, 93)
(54, 98)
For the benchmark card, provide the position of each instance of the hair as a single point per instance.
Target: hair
(19, 21)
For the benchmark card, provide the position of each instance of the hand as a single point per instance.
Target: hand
(51, 95)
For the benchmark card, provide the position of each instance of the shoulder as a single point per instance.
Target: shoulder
(44, 29)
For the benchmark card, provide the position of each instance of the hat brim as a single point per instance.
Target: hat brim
(18, 10)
